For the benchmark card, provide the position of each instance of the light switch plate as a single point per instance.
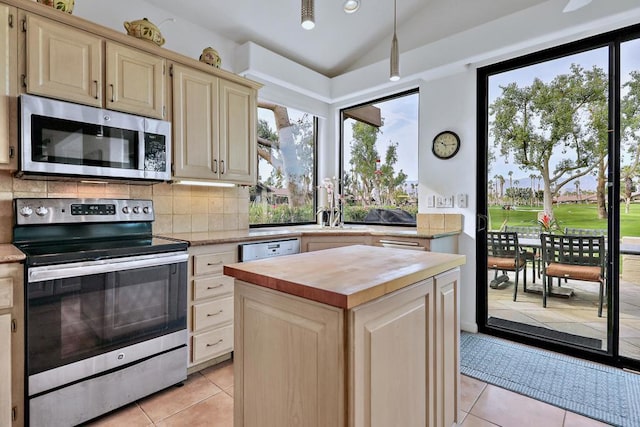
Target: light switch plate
(444, 201)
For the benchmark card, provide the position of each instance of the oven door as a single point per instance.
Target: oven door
(80, 310)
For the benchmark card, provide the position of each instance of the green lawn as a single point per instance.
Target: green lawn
(569, 215)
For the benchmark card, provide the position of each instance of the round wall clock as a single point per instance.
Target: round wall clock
(446, 144)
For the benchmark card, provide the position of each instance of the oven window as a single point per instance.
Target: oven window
(68, 142)
(75, 318)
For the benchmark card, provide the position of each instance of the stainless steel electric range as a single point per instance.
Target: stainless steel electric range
(105, 306)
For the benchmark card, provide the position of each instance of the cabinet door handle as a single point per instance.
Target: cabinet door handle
(221, 166)
(214, 314)
(11, 20)
(113, 93)
(215, 166)
(215, 287)
(95, 84)
(215, 343)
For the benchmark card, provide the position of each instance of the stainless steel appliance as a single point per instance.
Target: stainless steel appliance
(259, 250)
(62, 139)
(105, 306)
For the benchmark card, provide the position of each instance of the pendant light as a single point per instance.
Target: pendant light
(308, 19)
(394, 60)
(350, 6)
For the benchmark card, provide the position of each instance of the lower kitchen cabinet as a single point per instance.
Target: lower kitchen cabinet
(316, 243)
(11, 345)
(393, 361)
(210, 315)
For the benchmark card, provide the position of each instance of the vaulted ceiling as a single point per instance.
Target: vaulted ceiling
(340, 42)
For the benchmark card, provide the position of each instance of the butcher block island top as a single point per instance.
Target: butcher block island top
(344, 277)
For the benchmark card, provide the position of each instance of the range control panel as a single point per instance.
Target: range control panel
(66, 211)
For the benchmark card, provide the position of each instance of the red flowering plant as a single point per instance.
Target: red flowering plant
(548, 223)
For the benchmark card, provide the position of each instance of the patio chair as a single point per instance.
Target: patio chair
(533, 255)
(573, 257)
(504, 254)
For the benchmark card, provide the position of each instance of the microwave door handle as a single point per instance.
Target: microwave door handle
(141, 151)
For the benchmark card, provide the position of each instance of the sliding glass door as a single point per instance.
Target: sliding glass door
(559, 182)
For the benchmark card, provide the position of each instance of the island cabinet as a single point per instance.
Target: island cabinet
(214, 127)
(8, 86)
(11, 345)
(67, 63)
(352, 336)
(210, 295)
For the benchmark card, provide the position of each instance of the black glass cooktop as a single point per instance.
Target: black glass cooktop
(90, 250)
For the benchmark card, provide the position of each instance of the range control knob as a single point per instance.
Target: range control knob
(146, 210)
(41, 211)
(136, 209)
(26, 211)
(125, 210)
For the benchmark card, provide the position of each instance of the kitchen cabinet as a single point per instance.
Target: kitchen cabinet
(355, 346)
(210, 314)
(214, 127)
(8, 86)
(11, 345)
(319, 242)
(66, 63)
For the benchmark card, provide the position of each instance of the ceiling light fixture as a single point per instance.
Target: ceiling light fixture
(394, 60)
(308, 19)
(351, 6)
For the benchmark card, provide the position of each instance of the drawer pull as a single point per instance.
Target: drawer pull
(216, 343)
(215, 287)
(214, 314)
(214, 263)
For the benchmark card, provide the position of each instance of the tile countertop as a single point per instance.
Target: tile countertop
(255, 234)
(344, 277)
(9, 253)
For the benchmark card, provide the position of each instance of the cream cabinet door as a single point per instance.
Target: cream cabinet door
(238, 133)
(63, 62)
(288, 360)
(447, 345)
(5, 370)
(390, 368)
(8, 86)
(195, 124)
(135, 81)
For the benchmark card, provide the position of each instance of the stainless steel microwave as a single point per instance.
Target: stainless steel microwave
(62, 139)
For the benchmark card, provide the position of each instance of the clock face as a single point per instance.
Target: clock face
(446, 144)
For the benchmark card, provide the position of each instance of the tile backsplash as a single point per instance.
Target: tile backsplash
(178, 208)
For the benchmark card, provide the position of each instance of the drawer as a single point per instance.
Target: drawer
(209, 314)
(212, 344)
(6, 292)
(212, 287)
(212, 263)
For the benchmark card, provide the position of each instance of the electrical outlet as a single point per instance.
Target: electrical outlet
(463, 200)
(431, 201)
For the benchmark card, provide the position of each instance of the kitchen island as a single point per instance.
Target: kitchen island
(350, 336)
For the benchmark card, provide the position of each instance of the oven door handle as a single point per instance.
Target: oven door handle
(85, 268)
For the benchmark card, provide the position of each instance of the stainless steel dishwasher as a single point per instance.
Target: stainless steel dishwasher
(274, 248)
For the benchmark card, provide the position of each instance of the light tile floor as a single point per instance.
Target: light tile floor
(206, 399)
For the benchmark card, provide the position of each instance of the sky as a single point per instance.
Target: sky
(630, 54)
(400, 125)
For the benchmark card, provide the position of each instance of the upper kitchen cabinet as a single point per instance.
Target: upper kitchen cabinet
(214, 127)
(8, 86)
(67, 63)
